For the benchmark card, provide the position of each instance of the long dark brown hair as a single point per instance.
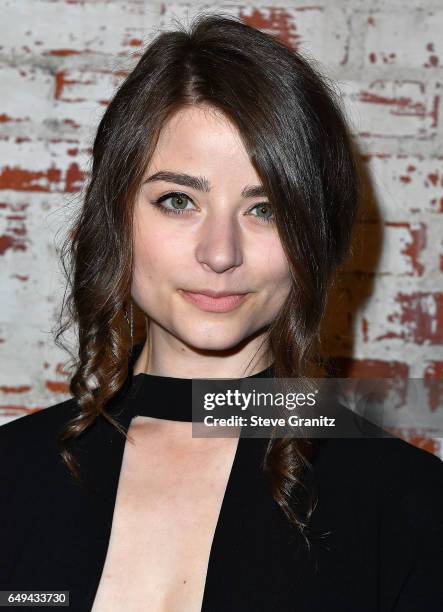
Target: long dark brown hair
(290, 119)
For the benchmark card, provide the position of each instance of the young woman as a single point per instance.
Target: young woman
(221, 200)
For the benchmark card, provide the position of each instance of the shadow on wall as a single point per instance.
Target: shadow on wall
(353, 286)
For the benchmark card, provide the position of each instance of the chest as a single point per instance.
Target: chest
(166, 511)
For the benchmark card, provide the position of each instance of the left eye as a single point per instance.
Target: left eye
(265, 209)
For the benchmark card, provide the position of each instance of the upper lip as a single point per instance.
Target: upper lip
(215, 294)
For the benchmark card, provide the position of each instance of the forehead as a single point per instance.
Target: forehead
(196, 116)
(202, 141)
(199, 133)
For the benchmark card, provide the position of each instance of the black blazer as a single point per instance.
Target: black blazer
(381, 500)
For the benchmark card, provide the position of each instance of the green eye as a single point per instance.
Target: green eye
(265, 211)
(179, 203)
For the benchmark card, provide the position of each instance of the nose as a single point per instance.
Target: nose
(219, 244)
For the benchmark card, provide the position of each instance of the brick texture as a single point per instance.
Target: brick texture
(61, 60)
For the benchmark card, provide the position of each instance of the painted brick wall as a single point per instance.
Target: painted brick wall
(60, 60)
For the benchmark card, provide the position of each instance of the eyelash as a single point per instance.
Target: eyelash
(171, 211)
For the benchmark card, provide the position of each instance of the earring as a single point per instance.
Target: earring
(130, 322)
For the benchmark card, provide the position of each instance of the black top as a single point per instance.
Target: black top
(381, 500)
(172, 391)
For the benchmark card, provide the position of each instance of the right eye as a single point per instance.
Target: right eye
(178, 203)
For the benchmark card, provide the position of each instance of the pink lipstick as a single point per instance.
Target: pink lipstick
(213, 301)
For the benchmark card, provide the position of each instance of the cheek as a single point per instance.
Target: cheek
(275, 266)
(159, 264)
(150, 255)
(280, 287)
(157, 241)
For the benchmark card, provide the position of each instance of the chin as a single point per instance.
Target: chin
(213, 337)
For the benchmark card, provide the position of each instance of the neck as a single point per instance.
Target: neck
(181, 361)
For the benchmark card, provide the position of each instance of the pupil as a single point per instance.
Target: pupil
(180, 201)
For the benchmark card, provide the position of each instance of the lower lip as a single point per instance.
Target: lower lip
(211, 304)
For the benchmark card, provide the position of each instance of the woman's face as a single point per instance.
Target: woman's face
(205, 234)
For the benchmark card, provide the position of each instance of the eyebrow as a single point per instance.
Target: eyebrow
(200, 183)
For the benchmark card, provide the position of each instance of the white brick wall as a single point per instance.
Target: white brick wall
(61, 60)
